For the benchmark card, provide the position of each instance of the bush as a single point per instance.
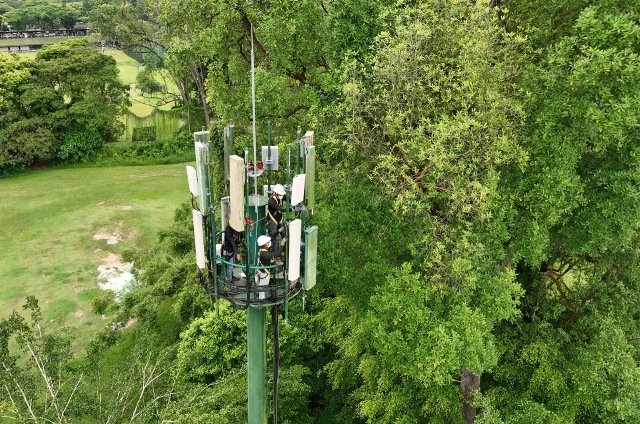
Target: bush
(23, 144)
(104, 303)
(144, 134)
(213, 345)
(180, 149)
(79, 145)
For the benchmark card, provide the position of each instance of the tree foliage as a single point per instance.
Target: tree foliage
(40, 14)
(477, 199)
(87, 82)
(577, 230)
(68, 89)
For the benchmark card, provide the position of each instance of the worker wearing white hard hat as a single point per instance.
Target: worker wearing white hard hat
(265, 259)
(264, 241)
(275, 216)
(230, 250)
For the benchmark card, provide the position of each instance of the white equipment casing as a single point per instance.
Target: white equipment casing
(192, 177)
(236, 192)
(273, 165)
(295, 236)
(297, 189)
(262, 281)
(199, 239)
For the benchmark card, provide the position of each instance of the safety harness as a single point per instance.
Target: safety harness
(263, 271)
(278, 200)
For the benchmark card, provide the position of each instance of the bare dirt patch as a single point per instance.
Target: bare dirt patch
(116, 235)
(111, 237)
(79, 313)
(115, 275)
(131, 322)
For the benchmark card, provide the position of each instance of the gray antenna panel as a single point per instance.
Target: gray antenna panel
(228, 148)
(310, 257)
(310, 172)
(202, 161)
(224, 214)
(270, 164)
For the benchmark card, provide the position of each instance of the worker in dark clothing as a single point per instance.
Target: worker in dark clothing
(275, 218)
(266, 258)
(230, 249)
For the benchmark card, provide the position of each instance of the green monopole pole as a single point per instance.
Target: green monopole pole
(257, 365)
(256, 324)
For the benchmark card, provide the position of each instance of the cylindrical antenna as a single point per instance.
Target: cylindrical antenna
(253, 107)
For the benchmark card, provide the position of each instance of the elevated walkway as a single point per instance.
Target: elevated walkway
(25, 41)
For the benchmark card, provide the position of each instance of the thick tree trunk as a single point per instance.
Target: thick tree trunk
(183, 89)
(468, 383)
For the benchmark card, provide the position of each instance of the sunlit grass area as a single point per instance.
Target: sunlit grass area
(129, 69)
(48, 219)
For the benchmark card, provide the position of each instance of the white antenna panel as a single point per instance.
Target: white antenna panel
(193, 181)
(199, 239)
(297, 189)
(236, 192)
(295, 236)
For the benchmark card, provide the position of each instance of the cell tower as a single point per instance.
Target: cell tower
(245, 209)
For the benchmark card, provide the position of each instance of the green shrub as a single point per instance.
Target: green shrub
(144, 134)
(104, 303)
(180, 149)
(213, 345)
(79, 145)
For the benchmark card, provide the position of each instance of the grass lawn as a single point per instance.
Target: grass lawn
(129, 69)
(127, 65)
(47, 222)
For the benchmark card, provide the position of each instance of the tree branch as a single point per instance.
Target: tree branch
(22, 393)
(246, 23)
(295, 110)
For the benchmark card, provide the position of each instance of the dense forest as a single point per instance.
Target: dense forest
(479, 203)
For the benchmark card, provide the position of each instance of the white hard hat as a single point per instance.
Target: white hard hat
(263, 240)
(279, 189)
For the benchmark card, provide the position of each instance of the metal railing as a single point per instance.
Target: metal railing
(245, 292)
(37, 33)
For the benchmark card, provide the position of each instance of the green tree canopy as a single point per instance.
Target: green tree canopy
(67, 85)
(41, 15)
(88, 82)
